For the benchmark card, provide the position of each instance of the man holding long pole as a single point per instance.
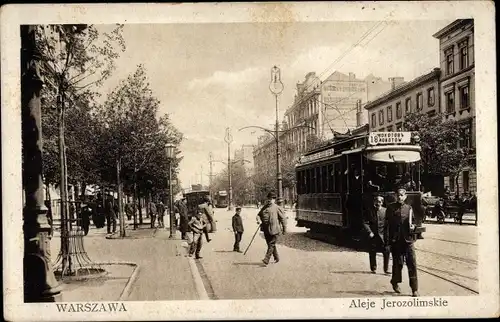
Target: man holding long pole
(272, 222)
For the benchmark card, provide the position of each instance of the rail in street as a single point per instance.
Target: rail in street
(310, 268)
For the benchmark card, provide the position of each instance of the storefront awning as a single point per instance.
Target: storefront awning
(394, 156)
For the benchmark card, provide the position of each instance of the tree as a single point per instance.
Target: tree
(76, 59)
(442, 153)
(133, 133)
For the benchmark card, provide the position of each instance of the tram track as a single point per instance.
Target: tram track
(452, 241)
(427, 270)
(457, 258)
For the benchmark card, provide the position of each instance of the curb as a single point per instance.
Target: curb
(198, 282)
(128, 287)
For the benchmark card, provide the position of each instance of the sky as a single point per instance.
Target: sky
(210, 76)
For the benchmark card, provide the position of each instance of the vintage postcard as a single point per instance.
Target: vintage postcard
(285, 160)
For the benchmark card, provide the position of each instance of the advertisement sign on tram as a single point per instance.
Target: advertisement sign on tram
(389, 138)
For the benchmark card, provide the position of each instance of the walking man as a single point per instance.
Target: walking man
(152, 213)
(273, 222)
(399, 228)
(183, 217)
(109, 210)
(374, 224)
(208, 216)
(160, 208)
(197, 224)
(237, 229)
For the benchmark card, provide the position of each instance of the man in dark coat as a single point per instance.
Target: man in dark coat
(374, 224)
(399, 228)
(152, 213)
(273, 222)
(110, 213)
(237, 224)
(183, 216)
(160, 208)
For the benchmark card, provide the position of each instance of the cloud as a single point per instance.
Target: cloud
(227, 79)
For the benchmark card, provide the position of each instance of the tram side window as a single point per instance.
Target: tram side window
(300, 182)
(306, 181)
(312, 182)
(319, 180)
(331, 178)
(338, 178)
(324, 179)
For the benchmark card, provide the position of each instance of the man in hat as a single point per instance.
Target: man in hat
(182, 209)
(273, 222)
(237, 224)
(374, 223)
(207, 212)
(399, 234)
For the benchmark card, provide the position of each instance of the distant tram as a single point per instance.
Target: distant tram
(336, 183)
(221, 199)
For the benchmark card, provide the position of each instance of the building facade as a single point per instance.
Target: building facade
(457, 91)
(387, 112)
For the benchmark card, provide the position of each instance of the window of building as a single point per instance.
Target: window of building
(399, 126)
(465, 181)
(449, 61)
(389, 129)
(389, 113)
(464, 97)
(374, 120)
(464, 54)
(381, 117)
(465, 139)
(452, 184)
(431, 113)
(399, 111)
(420, 102)
(408, 106)
(430, 96)
(450, 102)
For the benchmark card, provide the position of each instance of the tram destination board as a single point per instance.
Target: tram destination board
(317, 156)
(389, 137)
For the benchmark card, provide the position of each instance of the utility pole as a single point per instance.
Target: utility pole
(229, 138)
(40, 284)
(210, 158)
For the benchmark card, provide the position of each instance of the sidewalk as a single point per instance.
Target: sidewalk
(163, 273)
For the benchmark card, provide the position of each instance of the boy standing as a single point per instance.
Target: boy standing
(237, 229)
(197, 225)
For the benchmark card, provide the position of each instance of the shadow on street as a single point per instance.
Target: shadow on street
(369, 293)
(249, 264)
(301, 241)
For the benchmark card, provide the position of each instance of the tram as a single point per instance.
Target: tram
(336, 183)
(221, 199)
(194, 199)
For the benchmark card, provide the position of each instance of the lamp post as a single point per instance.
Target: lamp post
(276, 87)
(170, 150)
(228, 139)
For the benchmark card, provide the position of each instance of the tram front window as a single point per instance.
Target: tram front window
(384, 176)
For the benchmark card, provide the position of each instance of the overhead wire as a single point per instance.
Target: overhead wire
(345, 53)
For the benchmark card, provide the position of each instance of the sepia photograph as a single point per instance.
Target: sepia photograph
(201, 161)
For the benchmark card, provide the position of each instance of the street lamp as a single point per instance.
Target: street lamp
(276, 87)
(170, 151)
(228, 139)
